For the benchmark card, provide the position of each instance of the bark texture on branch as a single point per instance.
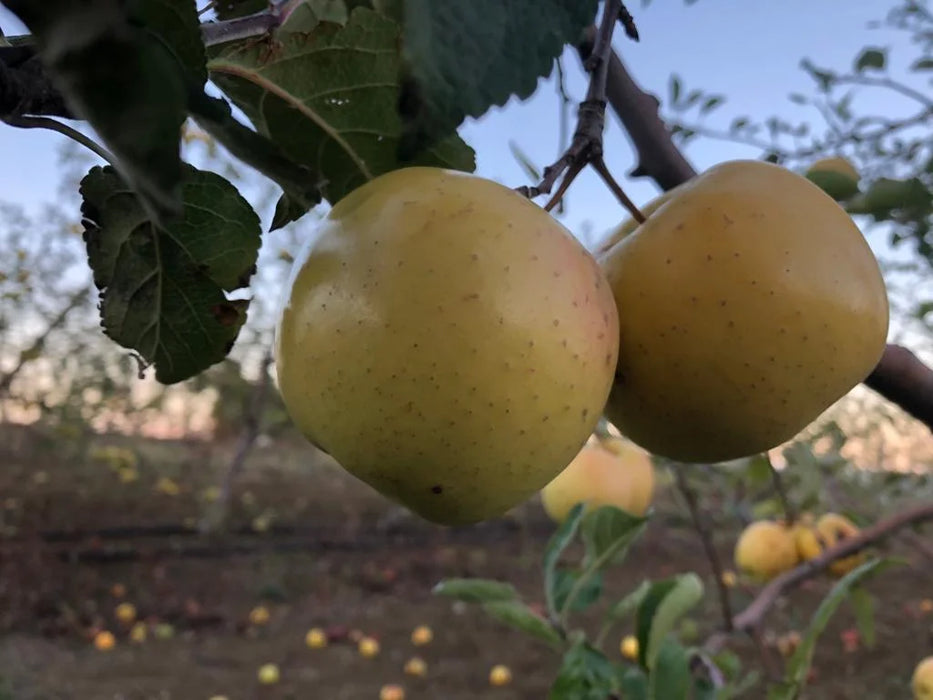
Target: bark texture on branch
(901, 377)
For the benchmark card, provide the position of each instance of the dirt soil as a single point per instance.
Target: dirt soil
(318, 548)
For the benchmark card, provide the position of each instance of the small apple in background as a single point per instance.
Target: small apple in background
(163, 630)
(316, 638)
(765, 549)
(167, 487)
(138, 633)
(259, 615)
(923, 680)
(421, 635)
(368, 647)
(500, 675)
(608, 470)
(392, 691)
(125, 613)
(729, 579)
(628, 647)
(104, 641)
(416, 666)
(268, 674)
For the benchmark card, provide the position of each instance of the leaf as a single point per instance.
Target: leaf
(587, 594)
(922, 64)
(559, 541)
(476, 590)
(127, 73)
(306, 15)
(824, 78)
(607, 533)
(634, 684)
(799, 664)
(300, 183)
(531, 170)
(162, 288)
(328, 99)
(629, 603)
(585, 674)
(871, 58)
(674, 88)
(670, 676)
(518, 615)
(661, 608)
(864, 607)
(507, 47)
(711, 103)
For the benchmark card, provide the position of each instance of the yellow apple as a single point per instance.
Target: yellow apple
(607, 471)
(500, 675)
(765, 549)
(923, 680)
(446, 341)
(748, 304)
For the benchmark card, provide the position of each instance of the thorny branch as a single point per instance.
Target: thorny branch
(586, 147)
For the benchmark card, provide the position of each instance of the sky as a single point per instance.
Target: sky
(748, 50)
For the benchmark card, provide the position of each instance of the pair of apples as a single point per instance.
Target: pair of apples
(452, 345)
(768, 548)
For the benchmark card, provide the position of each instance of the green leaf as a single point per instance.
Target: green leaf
(587, 594)
(518, 615)
(629, 603)
(799, 664)
(669, 677)
(886, 195)
(464, 56)
(328, 99)
(838, 186)
(127, 72)
(306, 15)
(522, 158)
(607, 533)
(559, 541)
(864, 607)
(300, 183)
(634, 684)
(660, 610)
(674, 87)
(585, 674)
(922, 64)
(711, 103)
(162, 288)
(872, 58)
(476, 590)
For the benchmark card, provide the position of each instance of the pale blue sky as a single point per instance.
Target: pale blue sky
(748, 50)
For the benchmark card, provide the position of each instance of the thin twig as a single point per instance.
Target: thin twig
(706, 537)
(252, 426)
(749, 618)
(586, 147)
(53, 125)
(790, 513)
(600, 167)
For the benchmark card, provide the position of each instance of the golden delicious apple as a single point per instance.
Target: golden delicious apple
(748, 304)
(447, 342)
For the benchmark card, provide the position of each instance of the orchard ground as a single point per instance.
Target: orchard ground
(319, 549)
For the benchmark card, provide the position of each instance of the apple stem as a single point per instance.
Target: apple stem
(790, 514)
(586, 147)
